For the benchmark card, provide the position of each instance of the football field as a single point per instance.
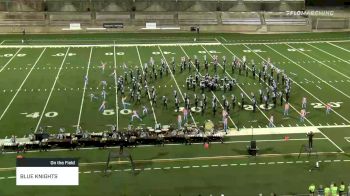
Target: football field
(42, 87)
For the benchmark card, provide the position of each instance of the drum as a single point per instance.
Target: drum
(158, 131)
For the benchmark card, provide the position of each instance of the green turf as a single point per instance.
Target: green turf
(319, 71)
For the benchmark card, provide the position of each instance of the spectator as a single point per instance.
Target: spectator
(320, 191)
(334, 189)
(312, 188)
(341, 188)
(327, 191)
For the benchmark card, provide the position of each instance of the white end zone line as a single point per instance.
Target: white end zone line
(10, 60)
(346, 95)
(84, 90)
(116, 87)
(25, 79)
(307, 92)
(322, 62)
(149, 95)
(52, 88)
(211, 90)
(171, 72)
(238, 85)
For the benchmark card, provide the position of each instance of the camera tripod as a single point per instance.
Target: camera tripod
(112, 155)
(309, 151)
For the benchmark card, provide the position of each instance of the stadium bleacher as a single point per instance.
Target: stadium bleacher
(280, 18)
(22, 18)
(188, 18)
(226, 15)
(241, 18)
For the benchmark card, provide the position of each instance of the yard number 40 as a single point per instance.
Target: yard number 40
(37, 114)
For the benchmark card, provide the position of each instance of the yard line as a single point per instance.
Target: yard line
(149, 94)
(223, 38)
(84, 89)
(265, 82)
(210, 90)
(309, 93)
(301, 85)
(25, 79)
(337, 56)
(52, 88)
(2, 42)
(338, 47)
(238, 86)
(324, 63)
(171, 72)
(116, 88)
(10, 59)
(308, 71)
